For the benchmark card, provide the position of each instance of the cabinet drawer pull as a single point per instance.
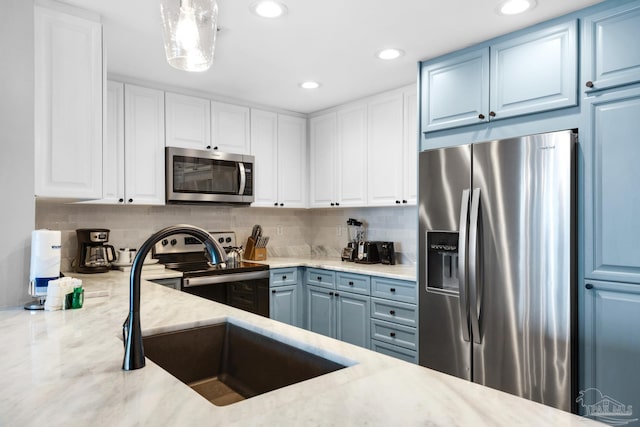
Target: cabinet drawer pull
(350, 283)
(337, 294)
(589, 84)
(392, 312)
(319, 278)
(392, 290)
(284, 277)
(481, 116)
(392, 334)
(588, 286)
(331, 293)
(273, 291)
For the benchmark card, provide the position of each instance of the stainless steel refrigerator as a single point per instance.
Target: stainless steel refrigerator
(497, 265)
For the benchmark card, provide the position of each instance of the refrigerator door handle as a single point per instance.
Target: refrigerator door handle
(473, 266)
(462, 265)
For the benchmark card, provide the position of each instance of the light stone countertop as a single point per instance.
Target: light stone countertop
(63, 368)
(398, 271)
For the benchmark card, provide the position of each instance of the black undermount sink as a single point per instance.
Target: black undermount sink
(226, 363)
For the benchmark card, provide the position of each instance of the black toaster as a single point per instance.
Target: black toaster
(367, 253)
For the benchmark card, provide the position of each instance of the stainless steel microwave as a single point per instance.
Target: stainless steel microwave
(201, 176)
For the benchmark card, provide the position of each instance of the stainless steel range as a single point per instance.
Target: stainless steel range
(240, 284)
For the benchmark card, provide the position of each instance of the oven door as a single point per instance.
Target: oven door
(206, 176)
(247, 291)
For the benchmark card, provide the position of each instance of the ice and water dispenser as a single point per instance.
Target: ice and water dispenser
(442, 260)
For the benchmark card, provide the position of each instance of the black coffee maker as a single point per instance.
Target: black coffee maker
(94, 255)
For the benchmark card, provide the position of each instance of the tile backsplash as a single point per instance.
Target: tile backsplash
(293, 232)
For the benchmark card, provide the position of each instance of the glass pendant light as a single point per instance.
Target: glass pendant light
(190, 28)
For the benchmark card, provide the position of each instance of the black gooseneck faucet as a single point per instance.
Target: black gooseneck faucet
(133, 349)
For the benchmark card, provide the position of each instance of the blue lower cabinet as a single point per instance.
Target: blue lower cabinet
(395, 351)
(285, 296)
(320, 311)
(352, 318)
(611, 351)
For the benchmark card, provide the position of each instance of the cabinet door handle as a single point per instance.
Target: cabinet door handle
(130, 200)
(337, 294)
(404, 201)
(492, 114)
(588, 286)
(273, 291)
(208, 147)
(392, 312)
(281, 204)
(120, 200)
(481, 116)
(275, 204)
(333, 204)
(331, 293)
(397, 202)
(215, 148)
(337, 204)
(392, 334)
(589, 84)
(392, 290)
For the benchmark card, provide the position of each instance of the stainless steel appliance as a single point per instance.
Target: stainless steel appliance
(240, 284)
(497, 265)
(200, 176)
(93, 254)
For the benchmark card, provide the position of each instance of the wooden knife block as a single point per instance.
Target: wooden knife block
(253, 253)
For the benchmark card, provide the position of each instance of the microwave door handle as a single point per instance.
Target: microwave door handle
(243, 178)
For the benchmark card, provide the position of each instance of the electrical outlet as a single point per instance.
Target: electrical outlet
(278, 230)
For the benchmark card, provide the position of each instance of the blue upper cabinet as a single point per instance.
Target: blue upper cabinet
(535, 72)
(516, 75)
(610, 53)
(456, 91)
(611, 198)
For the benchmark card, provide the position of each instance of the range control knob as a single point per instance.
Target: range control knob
(174, 242)
(221, 240)
(228, 240)
(165, 242)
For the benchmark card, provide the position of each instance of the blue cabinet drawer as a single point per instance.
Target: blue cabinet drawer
(401, 353)
(392, 311)
(283, 276)
(324, 278)
(355, 283)
(393, 333)
(398, 290)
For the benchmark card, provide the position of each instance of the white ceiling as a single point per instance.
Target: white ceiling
(332, 41)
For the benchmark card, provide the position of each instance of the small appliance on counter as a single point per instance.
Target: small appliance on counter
(45, 265)
(367, 253)
(356, 234)
(387, 253)
(256, 245)
(94, 255)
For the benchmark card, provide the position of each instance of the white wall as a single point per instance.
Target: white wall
(17, 212)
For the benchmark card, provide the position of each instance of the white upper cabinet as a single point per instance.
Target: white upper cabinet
(322, 145)
(292, 162)
(278, 143)
(188, 121)
(113, 146)
(410, 149)
(385, 150)
(264, 147)
(351, 156)
(144, 145)
(231, 128)
(68, 105)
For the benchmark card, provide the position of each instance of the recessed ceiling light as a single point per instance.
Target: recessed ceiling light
(268, 8)
(310, 85)
(513, 7)
(389, 53)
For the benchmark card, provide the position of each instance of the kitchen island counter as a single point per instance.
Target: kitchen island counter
(64, 368)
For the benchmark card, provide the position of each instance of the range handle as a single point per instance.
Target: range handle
(473, 266)
(462, 266)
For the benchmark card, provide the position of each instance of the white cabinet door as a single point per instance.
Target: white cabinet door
(292, 161)
(264, 147)
(385, 150)
(68, 86)
(322, 160)
(113, 146)
(188, 121)
(410, 137)
(144, 145)
(231, 128)
(351, 156)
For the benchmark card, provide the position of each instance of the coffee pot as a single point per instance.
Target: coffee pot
(94, 255)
